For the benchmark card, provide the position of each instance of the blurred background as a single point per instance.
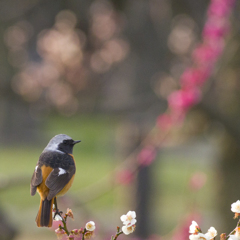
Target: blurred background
(101, 71)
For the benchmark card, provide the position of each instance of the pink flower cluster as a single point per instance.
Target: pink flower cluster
(146, 156)
(204, 58)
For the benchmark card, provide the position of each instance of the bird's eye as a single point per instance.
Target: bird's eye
(64, 141)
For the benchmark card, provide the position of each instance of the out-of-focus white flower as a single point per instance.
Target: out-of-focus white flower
(212, 232)
(128, 229)
(235, 236)
(90, 226)
(129, 218)
(76, 232)
(69, 213)
(88, 235)
(60, 233)
(237, 233)
(193, 227)
(235, 207)
(199, 236)
(70, 237)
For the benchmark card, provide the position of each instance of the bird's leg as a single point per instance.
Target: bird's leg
(56, 208)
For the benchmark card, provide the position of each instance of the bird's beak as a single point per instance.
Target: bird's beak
(76, 142)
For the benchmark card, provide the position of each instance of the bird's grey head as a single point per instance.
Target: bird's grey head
(61, 143)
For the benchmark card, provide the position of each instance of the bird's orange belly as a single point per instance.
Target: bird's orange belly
(43, 190)
(67, 186)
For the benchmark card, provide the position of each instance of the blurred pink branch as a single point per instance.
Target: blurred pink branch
(204, 59)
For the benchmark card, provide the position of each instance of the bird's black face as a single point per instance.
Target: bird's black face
(66, 145)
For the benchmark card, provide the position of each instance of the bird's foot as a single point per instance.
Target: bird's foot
(57, 214)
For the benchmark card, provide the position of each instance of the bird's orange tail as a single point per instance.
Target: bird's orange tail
(44, 216)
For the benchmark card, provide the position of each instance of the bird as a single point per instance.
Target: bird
(53, 176)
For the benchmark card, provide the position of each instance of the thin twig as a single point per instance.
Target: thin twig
(234, 230)
(117, 234)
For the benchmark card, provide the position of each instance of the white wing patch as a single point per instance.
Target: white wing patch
(61, 171)
(36, 168)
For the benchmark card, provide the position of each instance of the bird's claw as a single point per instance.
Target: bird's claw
(57, 212)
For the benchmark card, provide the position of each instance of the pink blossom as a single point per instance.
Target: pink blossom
(194, 77)
(197, 180)
(69, 213)
(125, 177)
(164, 121)
(146, 156)
(56, 224)
(181, 100)
(215, 28)
(76, 232)
(60, 233)
(220, 8)
(207, 54)
(70, 237)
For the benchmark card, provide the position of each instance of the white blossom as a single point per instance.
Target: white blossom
(193, 227)
(90, 226)
(128, 229)
(233, 237)
(60, 233)
(129, 218)
(235, 207)
(237, 233)
(199, 236)
(212, 232)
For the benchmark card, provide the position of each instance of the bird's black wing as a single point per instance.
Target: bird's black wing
(36, 180)
(58, 179)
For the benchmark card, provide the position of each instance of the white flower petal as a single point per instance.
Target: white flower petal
(129, 218)
(193, 226)
(133, 221)
(199, 236)
(90, 226)
(127, 230)
(235, 207)
(132, 214)
(233, 237)
(212, 232)
(194, 237)
(123, 218)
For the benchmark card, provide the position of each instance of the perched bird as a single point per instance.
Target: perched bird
(53, 176)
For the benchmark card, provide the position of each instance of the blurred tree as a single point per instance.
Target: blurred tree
(16, 123)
